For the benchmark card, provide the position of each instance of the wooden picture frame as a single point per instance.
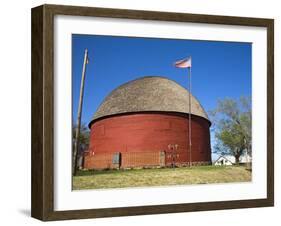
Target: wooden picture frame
(42, 203)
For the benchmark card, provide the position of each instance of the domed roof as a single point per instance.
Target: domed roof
(152, 93)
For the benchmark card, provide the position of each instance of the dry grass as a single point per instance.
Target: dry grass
(160, 177)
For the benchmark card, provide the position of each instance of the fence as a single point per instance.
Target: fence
(144, 159)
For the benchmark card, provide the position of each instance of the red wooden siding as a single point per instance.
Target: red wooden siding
(141, 137)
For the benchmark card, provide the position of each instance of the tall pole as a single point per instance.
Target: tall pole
(77, 134)
(189, 118)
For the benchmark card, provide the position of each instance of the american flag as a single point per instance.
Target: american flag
(185, 63)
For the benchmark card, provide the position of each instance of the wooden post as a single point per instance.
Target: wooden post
(77, 134)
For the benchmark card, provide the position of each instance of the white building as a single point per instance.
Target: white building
(229, 160)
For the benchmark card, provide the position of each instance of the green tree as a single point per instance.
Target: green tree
(84, 135)
(232, 124)
(84, 139)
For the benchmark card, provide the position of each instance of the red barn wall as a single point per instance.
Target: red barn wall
(143, 139)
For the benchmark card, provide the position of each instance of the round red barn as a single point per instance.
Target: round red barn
(144, 123)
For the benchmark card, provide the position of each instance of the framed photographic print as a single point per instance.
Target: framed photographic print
(141, 112)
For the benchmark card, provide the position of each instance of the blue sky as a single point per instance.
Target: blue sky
(219, 69)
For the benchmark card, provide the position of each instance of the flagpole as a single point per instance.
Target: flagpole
(189, 118)
(76, 143)
(186, 63)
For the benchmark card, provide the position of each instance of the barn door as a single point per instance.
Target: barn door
(162, 158)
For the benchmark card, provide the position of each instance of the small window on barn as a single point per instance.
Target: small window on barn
(99, 130)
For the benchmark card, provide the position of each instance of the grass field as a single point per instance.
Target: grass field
(159, 177)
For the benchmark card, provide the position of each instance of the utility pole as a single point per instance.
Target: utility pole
(77, 134)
